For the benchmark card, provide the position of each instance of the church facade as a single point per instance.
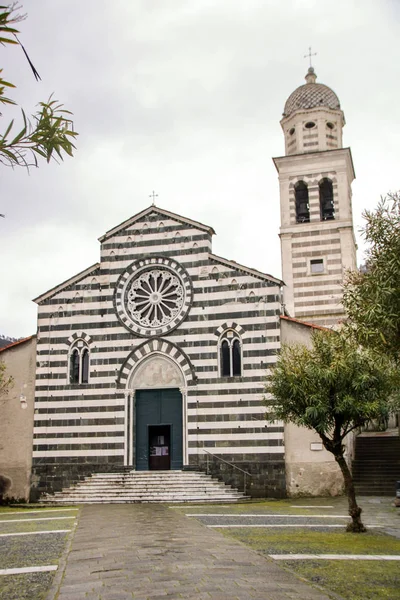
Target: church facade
(156, 356)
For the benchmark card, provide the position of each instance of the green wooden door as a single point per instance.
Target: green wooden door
(158, 407)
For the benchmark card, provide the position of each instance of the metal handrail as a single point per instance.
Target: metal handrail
(231, 465)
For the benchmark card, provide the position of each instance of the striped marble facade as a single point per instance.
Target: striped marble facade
(317, 296)
(87, 424)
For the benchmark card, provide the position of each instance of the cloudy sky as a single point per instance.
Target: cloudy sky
(184, 97)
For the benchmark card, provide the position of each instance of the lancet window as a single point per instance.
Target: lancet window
(79, 363)
(230, 353)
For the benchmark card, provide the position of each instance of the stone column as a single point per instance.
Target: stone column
(128, 428)
(185, 453)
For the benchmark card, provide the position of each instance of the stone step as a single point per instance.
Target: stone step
(150, 483)
(152, 490)
(84, 492)
(188, 500)
(140, 476)
(361, 491)
(141, 494)
(147, 486)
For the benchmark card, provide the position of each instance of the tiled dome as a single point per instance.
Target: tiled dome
(311, 95)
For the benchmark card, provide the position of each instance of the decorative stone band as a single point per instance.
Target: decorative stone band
(153, 296)
(230, 325)
(158, 346)
(79, 335)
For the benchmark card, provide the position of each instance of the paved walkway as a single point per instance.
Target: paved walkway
(150, 552)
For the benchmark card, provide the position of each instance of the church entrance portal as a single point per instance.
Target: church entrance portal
(159, 436)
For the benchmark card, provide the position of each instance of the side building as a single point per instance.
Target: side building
(16, 418)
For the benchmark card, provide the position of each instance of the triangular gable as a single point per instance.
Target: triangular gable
(66, 283)
(238, 267)
(160, 211)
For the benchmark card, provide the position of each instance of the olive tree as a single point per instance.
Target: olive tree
(334, 387)
(372, 295)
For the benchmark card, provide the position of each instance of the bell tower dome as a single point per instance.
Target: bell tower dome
(315, 176)
(312, 118)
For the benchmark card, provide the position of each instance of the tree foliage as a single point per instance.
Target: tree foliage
(6, 381)
(372, 297)
(333, 388)
(49, 132)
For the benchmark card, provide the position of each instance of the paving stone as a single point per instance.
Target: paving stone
(150, 552)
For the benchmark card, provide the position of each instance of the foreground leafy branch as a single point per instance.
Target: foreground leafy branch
(49, 132)
(333, 388)
(372, 296)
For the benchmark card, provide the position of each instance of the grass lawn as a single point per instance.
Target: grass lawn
(261, 506)
(29, 507)
(353, 580)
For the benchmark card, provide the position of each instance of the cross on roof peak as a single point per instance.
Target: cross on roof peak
(153, 196)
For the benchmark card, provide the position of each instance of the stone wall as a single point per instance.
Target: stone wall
(53, 477)
(310, 469)
(267, 473)
(16, 423)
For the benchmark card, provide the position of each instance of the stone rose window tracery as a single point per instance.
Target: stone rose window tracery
(155, 298)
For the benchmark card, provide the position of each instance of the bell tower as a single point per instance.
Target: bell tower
(315, 176)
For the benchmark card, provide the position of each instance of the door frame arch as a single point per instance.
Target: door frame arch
(157, 371)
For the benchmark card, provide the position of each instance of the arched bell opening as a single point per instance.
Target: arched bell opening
(302, 202)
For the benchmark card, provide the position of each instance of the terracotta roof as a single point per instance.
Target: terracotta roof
(305, 323)
(17, 343)
(311, 95)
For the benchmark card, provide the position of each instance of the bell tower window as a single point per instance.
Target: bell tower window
(326, 203)
(302, 204)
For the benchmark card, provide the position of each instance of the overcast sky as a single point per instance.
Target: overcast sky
(184, 97)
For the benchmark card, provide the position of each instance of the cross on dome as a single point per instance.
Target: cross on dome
(309, 55)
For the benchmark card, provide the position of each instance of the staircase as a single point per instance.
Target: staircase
(376, 467)
(145, 486)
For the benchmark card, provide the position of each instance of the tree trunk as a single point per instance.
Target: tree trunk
(356, 525)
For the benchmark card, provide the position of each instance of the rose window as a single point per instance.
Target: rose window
(155, 298)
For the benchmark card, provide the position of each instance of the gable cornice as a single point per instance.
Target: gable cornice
(160, 211)
(66, 283)
(248, 270)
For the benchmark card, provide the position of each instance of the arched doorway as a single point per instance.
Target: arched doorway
(156, 415)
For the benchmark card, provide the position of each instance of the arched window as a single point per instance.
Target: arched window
(326, 203)
(230, 354)
(79, 363)
(302, 205)
(85, 365)
(236, 358)
(74, 366)
(225, 359)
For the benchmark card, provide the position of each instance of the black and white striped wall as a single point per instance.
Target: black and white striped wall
(82, 427)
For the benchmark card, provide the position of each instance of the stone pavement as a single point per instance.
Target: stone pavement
(151, 552)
